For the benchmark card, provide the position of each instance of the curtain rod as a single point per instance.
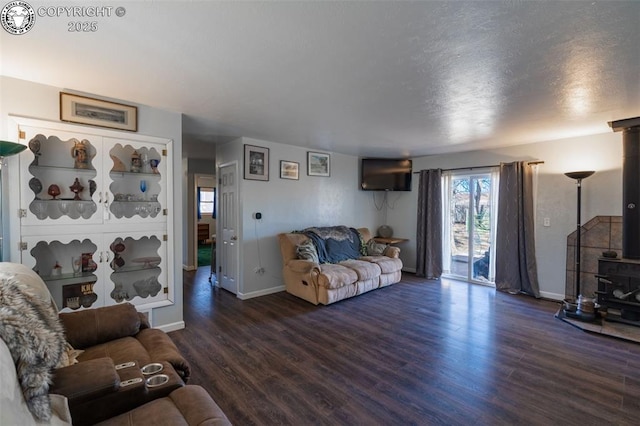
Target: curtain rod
(531, 163)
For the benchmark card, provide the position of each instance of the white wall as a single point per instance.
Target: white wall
(288, 205)
(556, 195)
(19, 97)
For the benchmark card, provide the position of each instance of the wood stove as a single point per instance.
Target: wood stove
(619, 279)
(619, 289)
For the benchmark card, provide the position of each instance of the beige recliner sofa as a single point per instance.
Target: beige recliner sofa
(327, 283)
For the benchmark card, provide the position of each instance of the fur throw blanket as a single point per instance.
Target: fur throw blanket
(31, 330)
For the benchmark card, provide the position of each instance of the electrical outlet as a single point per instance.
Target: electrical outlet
(258, 270)
(547, 221)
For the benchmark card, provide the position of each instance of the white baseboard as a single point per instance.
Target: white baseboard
(251, 295)
(172, 326)
(189, 267)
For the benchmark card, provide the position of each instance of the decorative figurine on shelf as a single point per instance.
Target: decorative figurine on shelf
(118, 165)
(34, 146)
(92, 187)
(118, 261)
(80, 152)
(57, 270)
(144, 160)
(76, 264)
(54, 191)
(154, 165)
(76, 188)
(36, 186)
(136, 162)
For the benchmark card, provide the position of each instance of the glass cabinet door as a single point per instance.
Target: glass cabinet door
(136, 186)
(138, 268)
(70, 267)
(61, 178)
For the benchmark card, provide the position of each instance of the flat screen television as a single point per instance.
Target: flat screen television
(385, 174)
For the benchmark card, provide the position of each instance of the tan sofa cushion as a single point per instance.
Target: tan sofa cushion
(336, 276)
(386, 264)
(365, 270)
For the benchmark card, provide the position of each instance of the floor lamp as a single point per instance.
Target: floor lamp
(7, 149)
(578, 176)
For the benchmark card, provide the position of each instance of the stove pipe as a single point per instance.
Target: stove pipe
(631, 193)
(630, 128)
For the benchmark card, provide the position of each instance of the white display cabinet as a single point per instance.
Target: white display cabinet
(97, 200)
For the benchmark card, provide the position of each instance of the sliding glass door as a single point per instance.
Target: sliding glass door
(470, 226)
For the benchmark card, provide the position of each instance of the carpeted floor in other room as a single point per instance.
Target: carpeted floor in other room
(204, 255)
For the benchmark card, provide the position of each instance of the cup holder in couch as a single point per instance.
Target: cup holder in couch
(152, 368)
(158, 380)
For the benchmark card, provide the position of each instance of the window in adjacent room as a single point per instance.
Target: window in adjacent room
(206, 202)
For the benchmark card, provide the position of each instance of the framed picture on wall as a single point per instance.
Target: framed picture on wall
(96, 112)
(289, 170)
(256, 162)
(318, 164)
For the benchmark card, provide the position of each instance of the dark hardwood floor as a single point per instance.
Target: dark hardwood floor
(418, 352)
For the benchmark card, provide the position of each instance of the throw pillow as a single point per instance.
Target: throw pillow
(307, 251)
(375, 249)
(69, 356)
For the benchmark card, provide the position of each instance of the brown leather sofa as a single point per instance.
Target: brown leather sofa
(107, 380)
(107, 384)
(189, 405)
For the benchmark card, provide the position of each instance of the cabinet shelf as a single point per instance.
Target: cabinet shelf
(136, 202)
(60, 200)
(64, 279)
(115, 174)
(63, 168)
(128, 269)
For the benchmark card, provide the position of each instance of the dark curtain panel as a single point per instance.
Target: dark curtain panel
(516, 269)
(429, 238)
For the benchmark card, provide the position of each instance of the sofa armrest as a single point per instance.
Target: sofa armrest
(189, 405)
(392, 251)
(161, 348)
(86, 381)
(94, 326)
(302, 266)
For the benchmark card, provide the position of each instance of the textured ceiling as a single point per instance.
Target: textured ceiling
(362, 78)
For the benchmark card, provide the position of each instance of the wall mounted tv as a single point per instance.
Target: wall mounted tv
(385, 174)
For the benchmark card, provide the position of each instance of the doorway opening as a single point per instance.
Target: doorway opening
(470, 201)
(205, 219)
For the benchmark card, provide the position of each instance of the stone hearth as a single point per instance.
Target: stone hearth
(609, 328)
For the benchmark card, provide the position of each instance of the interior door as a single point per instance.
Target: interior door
(228, 223)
